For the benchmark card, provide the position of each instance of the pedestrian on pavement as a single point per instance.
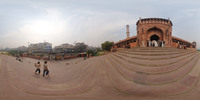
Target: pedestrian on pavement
(45, 68)
(149, 43)
(163, 43)
(143, 44)
(37, 65)
(156, 44)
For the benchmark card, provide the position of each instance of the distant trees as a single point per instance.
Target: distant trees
(16, 52)
(107, 45)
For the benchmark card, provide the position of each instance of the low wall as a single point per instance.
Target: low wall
(193, 49)
(69, 57)
(174, 44)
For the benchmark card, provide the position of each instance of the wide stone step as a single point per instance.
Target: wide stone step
(146, 48)
(152, 70)
(154, 48)
(129, 87)
(157, 51)
(147, 57)
(152, 79)
(152, 63)
(150, 53)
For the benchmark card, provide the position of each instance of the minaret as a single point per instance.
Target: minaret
(127, 31)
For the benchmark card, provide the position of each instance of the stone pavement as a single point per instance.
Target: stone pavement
(114, 76)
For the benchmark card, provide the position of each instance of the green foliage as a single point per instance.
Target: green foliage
(15, 52)
(100, 53)
(107, 45)
(98, 49)
(92, 52)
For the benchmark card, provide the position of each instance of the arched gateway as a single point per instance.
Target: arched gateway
(154, 37)
(149, 29)
(154, 34)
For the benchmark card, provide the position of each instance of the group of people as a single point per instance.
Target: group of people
(181, 46)
(19, 59)
(45, 68)
(155, 43)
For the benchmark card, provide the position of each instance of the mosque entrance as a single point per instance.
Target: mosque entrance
(154, 37)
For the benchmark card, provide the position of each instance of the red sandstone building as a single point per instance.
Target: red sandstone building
(149, 29)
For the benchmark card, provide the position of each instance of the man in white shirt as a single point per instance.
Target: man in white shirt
(45, 68)
(37, 65)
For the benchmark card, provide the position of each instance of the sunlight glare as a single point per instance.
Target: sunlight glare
(43, 27)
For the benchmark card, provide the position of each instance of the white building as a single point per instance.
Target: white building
(40, 47)
(64, 48)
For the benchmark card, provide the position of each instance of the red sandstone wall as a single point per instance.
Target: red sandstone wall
(69, 57)
(134, 44)
(174, 44)
(45, 58)
(163, 29)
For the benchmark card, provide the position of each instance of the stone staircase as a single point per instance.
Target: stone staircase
(136, 71)
(153, 71)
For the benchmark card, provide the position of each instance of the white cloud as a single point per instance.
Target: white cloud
(50, 27)
(93, 22)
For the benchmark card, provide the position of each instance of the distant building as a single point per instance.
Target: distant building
(80, 47)
(23, 48)
(40, 47)
(64, 48)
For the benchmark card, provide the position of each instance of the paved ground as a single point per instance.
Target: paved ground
(96, 78)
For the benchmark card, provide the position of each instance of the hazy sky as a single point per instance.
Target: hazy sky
(90, 21)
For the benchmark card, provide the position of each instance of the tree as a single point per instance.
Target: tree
(107, 45)
(16, 52)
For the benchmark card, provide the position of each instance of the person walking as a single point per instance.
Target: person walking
(178, 45)
(37, 65)
(156, 44)
(45, 69)
(163, 43)
(143, 44)
(149, 43)
(153, 43)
